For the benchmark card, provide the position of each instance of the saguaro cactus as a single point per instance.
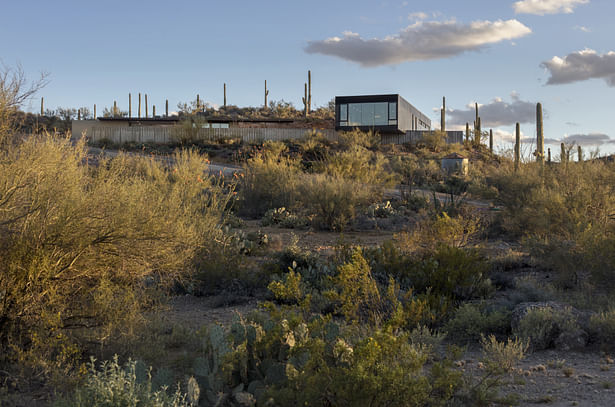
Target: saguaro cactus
(580, 154)
(129, 105)
(115, 109)
(563, 153)
(517, 146)
(491, 140)
(42, 106)
(549, 155)
(146, 111)
(443, 115)
(477, 133)
(540, 138)
(94, 111)
(166, 108)
(266, 94)
(304, 99)
(467, 132)
(139, 112)
(153, 111)
(198, 102)
(225, 95)
(309, 94)
(78, 114)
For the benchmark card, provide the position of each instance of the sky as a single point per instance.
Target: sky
(505, 55)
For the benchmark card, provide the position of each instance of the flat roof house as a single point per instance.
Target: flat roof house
(387, 114)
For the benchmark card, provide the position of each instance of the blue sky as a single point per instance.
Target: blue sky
(471, 50)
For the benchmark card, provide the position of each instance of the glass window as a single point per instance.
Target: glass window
(354, 114)
(380, 114)
(224, 125)
(393, 111)
(343, 113)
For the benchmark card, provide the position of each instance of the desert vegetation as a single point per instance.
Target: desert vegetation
(512, 258)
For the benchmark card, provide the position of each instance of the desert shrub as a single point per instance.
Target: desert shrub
(429, 341)
(469, 323)
(602, 328)
(114, 385)
(81, 247)
(459, 231)
(502, 356)
(356, 291)
(334, 201)
(268, 183)
(453, 273)
(283, 218)
(358, 164)
(380, 210)
(433, 140)
(354, 138)
(541, 326)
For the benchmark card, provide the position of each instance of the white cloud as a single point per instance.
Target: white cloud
(582, 28)
(417, 16)
(542, 7)
(419, 42)
(580, 66)
(496, 113)
(591, 139)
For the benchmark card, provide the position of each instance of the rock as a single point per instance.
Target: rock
(574, 339)
(245, 399)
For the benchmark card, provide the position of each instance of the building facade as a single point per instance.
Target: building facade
(387, 114)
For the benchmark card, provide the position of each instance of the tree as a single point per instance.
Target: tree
(15, 90)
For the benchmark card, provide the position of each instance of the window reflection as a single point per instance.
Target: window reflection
(368, 114)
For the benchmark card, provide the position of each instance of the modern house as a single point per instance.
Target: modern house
(387, 114)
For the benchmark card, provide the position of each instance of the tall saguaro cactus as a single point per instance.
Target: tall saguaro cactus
(563, 157)
(467, 132)
(517, 146)
(549, 155)
(115, 111)
(166, 108)
(540, 137)
(78, 114)
(94, 111)
(304, 99)
(443, 115)
(139, 112)
(580, 154)
(129, 105)
(42, 106)
(309, 95)
(198, 102)
(225, 95)
(146, 112)
(491, 140)
(266, 94)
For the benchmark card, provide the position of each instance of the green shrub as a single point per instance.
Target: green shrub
(114, 385)
(268, 183)
(334, 201)
(541, 326)
(602, 328)
(469, 323)
(83, 246)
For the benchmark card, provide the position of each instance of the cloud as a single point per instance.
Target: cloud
(582, 28)
(509, 137)
(496, 113)
(581, 66)
(542, 7)
(419, 15)
(591, 139)
(423, 40)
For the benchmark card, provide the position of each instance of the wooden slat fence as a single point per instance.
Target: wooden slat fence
(163, 135)
(414, 136)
